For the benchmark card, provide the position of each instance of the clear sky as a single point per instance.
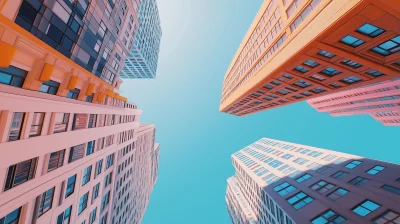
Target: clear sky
(199, 40)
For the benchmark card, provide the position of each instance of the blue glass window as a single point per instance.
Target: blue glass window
(86, 175)
(358, 181)
(311, 63)
(326, 54)
(389, 47)
(351, 63)
(370, 30)
(317, 90)
(317, 77)
(287, 76)
(303, 178)
(322, 186)
(306, 93)
(330, 217)
(275, 82)
(70, 186)
(365, 208)
(83, 203)
(297, 96)
(12, 217)
(375, 170)
(255, 94)
(267, 99)
(301, 69)
(50, 87)
(273, 95)
(351, 79)
(335, 85)
(73, 94)
(387, 217)
(283, 91)
(338, 193)
(330, 72)
(352, 41)
(353, 164)
(339, 175)
(12, 76)
(64, 217)
(284, 189)
(302, 84)
(300, 200)
(391, 189)
(374, 73)
(268, 86)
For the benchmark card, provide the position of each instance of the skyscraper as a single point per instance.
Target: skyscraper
(143, 57)
(286, 183)
(297, 50)
(381, 101)
(63, 126)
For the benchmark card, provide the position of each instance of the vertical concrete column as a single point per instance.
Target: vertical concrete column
(3, 176)
(46, 123)
(5, 124)
(51, 125)
(70, 121)
(45, 164)
(28, 212)
(56, 196)
(26, 127)
(40, 166)
(32, 78)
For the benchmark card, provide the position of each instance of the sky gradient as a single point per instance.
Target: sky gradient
(199, 41)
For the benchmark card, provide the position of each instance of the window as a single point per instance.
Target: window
(70, 186)
(322, 186)
(301, 69)
(352, 41)
(335, 85)
(37, 123)
(374, 73)
(365, 208)
(300, 161)
(300, 200)
(330, 217)
(16, 126)
(358, 181)
(388, 217)
(339, 175)
(324, 169)
(275, 82)
(318, 90)
(102, 30)
(89, 98)
(99, 166)
(76, 153)
(351, 63)
(96, 191)
(287, 76)
(287, 156)
(306, 93)
(86, 175)
(12, 76)
(353, 164)
(391, 189)
(340, 192)
(97, 46)
(311, 63)
(317, 77)
(92, 216)
(90, 148)
(330, 72)
(284, 189)
(351, 80)
(56, 160)
(61, 122)
(107, 179)
(268, 86)
(303, 178)
(302, 84)
(50, 87)
(283, 91)
(370, 30)
(326, 54)
(79, 121)
(45, 201)
(83, 203)
(65, 216)
(375, 170)
(20, 173)
(105, 200)
(110, 160)
(73, 94)
(103, 219)
(106, 53)
(12, 217)
(389, 47)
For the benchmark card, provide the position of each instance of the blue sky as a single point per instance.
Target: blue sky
(198, 44)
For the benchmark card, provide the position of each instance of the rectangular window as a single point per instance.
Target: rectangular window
(107, 180)
(16, 126)
(70, 186)
(329, 216)
(37, 123)
(391, 189)
(340, 192)
(389, 47)
(365, 208)
(99, 166)
(303, 178)
(50, 87)
(61, 122)
(300, 200)
(92, 120)
(65, 216)
(375, 170)
(322, 186)
(358, 181)
(370, 30)
(96, 191)
(374, 73)
(45, 201)
(353, 164)
(20, 173)
(317, 77)
(311, 63)
(90, 147)
(79, 122)
(12, 76)
(12, 217)
(284, 189)
(300, 69)
(56, 160)
(330, 72)
(326, 54)
(352, 41)
(301, 161)
(110, 160)
(105, 200)
(302, 84)
(387, 217)
(103, 219)
(89, 99)
(351, 80)
(83, 203)
(339, 175)
(73, 94)
(86, 175)
(351, 63)
(102, 30)
(92, 216)
(324, 169)
(76, 153)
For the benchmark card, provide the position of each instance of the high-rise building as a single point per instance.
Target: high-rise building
(381, 101)
(296, 50)
(143, 57)
(287, 183)
(63, 126)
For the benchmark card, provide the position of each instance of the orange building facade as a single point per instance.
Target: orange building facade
(301, 49)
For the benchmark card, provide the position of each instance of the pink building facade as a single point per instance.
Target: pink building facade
(286, 183)
(381, 101)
